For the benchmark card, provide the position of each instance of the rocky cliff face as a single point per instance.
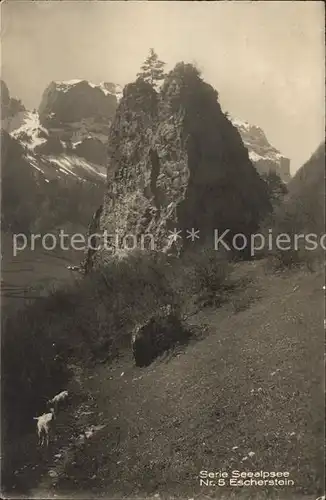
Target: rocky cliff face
(21, 186)
(9, 105)
(75, 150)
(75, 100)
(178, 163)
(79, 113)
(265, 157)
(40, 193)
(303, 209)
(45, 181)
(51, 156)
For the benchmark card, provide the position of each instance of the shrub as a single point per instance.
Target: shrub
(203, 277)
(300, 257)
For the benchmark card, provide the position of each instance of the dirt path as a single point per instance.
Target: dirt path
(246, 397)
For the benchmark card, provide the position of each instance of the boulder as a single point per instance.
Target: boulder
(158, 334)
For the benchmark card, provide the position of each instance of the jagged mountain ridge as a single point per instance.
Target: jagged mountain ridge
(72, 150)
(178, 162)
(70, 101)
(43, 132)
(264, 156)
(73, 119)
(79, 114)
(41, 168)
(78, 148)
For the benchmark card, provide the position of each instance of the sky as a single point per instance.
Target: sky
(266, 59)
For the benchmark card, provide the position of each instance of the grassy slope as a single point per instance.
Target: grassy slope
(184, 414)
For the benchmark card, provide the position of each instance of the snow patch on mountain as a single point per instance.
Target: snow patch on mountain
(71, 164)
(106, 87)
(52, 167)
(240, 124)
(30, 133)
(264, 156)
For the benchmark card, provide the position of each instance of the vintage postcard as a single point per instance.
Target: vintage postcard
(162, 250)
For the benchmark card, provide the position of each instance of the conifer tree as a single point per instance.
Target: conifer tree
(152, 71)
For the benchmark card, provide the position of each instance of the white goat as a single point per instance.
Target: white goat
(58, 399)
(43, 426)
(73, 268)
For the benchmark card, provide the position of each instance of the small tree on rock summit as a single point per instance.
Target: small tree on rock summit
(152, 71)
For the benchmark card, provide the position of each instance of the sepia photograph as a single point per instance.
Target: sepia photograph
(162, 250)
